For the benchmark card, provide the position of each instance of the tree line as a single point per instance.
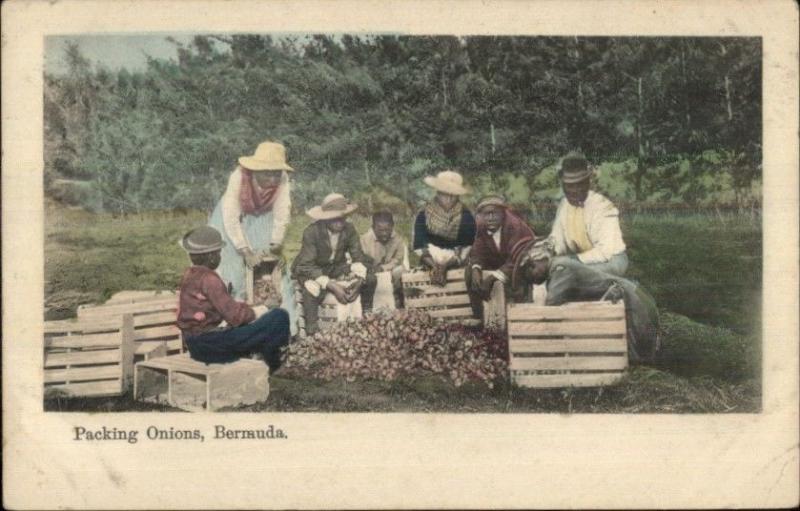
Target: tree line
(666, 120)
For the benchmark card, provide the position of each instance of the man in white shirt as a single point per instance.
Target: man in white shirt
(586, 227)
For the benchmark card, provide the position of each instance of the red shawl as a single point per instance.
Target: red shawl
(254, 199)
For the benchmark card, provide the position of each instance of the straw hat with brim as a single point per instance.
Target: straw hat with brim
(491, 200)
(268, 156)
(447, 181)
(333, 206)
(202, 240)
(574, 168)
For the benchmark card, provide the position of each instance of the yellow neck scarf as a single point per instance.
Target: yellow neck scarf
(577, 237)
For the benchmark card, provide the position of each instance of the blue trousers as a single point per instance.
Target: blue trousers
(265, 335)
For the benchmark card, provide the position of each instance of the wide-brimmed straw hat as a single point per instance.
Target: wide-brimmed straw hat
(334, 205)
(574, 168)
(268, 156)
(491, 200)
(202, 240)
(447, 181)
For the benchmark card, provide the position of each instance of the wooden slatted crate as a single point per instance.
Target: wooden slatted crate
(328, 314)
(190, 385)
(88, 357)
(161, 302)
(154, 319)
(449, 303)
(494, 310)
(574, 345)
(272, 270)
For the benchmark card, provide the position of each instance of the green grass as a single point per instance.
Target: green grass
(644, 390)
(703, 270)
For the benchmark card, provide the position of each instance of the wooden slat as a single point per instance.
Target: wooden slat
(117, 309)
(144, 346)
(181, 363)
(158, 318)
(139, 296)
(450, 288)
(437, 301)
(451, 313)
(611, 327)
(127, 351)
(84, 341)
(95, 388)
(156, 332)
(81, 357)
(566, 345)
(75, 325)
(424, 277)
(588, 310)
(567, 380)
(569, 363)
(83, 373)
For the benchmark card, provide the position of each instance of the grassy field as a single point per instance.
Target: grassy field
(704, 271)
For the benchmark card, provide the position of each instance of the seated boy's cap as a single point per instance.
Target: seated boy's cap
(202, 240)
(491, 200)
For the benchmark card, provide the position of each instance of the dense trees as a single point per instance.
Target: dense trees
(669, 119)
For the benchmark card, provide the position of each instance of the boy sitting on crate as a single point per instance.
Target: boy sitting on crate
(388, 250)
(500, 233)
(323, 258)
(204, 302)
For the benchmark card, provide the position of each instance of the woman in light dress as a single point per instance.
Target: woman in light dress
(252, 216)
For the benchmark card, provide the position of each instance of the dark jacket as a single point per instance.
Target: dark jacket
(486, 254)
(314, 259)
(466, 233)
(204, 302)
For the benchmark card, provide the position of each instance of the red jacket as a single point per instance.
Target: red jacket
(204, 302)
(513, 232)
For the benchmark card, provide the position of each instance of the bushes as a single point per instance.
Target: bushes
(695, 349)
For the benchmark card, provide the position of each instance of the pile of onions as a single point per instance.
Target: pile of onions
(397, 344)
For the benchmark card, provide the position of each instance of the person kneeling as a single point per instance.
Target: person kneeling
(204, 302)
(577, 282)
(323, 259)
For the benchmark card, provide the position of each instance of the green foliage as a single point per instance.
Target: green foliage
(665, 119)
(707, 267)
(695, 349)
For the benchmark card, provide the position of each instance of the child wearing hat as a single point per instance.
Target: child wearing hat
(204, 302)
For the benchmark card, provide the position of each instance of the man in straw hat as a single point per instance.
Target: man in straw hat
(500, 233)
(586, 228)
(323, 258)
(204, 302)
(252, 216)
(445, 229)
